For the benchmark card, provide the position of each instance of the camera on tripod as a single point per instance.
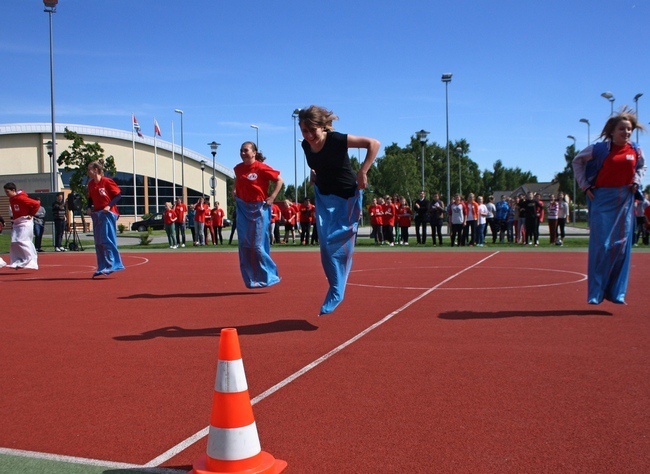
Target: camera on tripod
(72, 241)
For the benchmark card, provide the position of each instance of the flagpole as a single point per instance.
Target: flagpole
(135, 192)
(173, 167)
(155, 162)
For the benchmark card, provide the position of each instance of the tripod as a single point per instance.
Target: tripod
(72, 240)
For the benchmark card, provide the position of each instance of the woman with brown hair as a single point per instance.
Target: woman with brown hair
(338, 194)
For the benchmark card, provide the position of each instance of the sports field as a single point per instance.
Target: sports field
(447, 361)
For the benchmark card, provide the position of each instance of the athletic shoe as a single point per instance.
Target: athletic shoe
(182, 245)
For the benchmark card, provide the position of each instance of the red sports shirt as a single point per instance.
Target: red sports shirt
(252, 181)
(102, 193)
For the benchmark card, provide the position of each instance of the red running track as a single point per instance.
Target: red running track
(479, 362)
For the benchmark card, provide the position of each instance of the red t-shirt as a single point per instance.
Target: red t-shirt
(169, 216)
(22, 205)
(252, 181)
(217, 217)
(389, 214)
(618, 168)
(404, 216)
(289, 214)
(199, 213)
(102, 193)
(181, 211)
(275, 213)
(376, 214)
(306, 213)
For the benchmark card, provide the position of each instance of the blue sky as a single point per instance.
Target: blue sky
(524, 72)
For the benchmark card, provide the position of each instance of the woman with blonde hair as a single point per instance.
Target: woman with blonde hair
(339, 192)
(610, 172)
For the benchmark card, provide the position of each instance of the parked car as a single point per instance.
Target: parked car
(155, 221)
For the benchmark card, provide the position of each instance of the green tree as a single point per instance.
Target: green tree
(77, 158)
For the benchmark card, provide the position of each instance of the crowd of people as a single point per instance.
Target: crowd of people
(469, 221)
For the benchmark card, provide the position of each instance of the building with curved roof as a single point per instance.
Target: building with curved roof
(158, 166)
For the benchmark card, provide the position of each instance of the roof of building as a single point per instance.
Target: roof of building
(90, 130)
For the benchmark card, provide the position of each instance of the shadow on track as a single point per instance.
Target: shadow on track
(250, 329)
(152, 296)
(463, 315)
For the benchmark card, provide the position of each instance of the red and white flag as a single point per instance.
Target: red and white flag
(136, 126)
(156, 128)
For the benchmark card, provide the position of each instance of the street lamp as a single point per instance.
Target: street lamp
(257, 136)
(50, 7)
(636, 111)
(571, 137)
(584, 120)
(446, 78)
(609, 96)
(459, 150)
(294, 115)
(178, 111)
(202, 179)
(213, 185)
(422, 137)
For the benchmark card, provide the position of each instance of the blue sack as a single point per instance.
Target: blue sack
(105, 235)
(257, 267)
(611, 232)
(337, 220)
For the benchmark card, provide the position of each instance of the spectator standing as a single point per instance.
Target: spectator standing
(436, 218)
(276, 214)
(218, 215)
(404, 215)
(22, 209)
(180, 208)
(562, 218)
(289, 215)
(530, 207)
(640, 206)
(481, 222)
(553, 209)
(471, 221)
(491, 220)
(199, 222)
(389, 220)
(306, 217)
(39, 226)
(58, 213)
(610, 172)
(501, 217)
(376, 212)
(169, 221)
(421, 209)
(458, 219)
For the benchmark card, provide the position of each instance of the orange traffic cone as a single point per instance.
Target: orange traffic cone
(233, 443)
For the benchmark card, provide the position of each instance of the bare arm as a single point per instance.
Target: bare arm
(276, 190)
(372, 147)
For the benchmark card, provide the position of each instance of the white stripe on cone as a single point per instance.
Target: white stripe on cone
(230, 376)
(233, 444)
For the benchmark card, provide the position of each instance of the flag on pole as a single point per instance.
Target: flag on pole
(136, 126)
(156, 128)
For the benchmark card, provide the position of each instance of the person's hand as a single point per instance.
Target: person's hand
(590, 192)
(362, 179)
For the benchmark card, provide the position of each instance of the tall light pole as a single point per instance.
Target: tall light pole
(50, 7)
(609, 96)
(446, 78)
(257, 136)
(183, 190)
(636, 111)
(584, 120)
(422, 137)
(459, 150)
(213, 184)
(571, 137)
(294, 115)
(203, 180)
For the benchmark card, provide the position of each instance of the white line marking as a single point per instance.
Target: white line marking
(84, 461)
(201, 434)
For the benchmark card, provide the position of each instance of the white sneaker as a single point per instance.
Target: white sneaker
(182, 245)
